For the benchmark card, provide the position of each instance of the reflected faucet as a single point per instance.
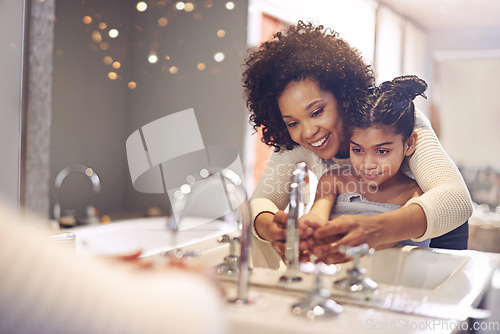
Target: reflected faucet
(96, 184)
(237, 200)
(299, 196)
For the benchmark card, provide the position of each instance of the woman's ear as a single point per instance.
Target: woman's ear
(411, 144)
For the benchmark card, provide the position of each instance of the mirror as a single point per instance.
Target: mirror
(118, 66)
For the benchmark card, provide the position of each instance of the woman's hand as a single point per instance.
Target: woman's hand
(349, 230)
(273, 229)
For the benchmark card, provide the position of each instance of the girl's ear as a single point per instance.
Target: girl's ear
(411, 144)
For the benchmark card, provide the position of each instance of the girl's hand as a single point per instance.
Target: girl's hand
(276, 234)
(349, 230)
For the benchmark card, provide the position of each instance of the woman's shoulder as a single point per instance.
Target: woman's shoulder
(421, 121)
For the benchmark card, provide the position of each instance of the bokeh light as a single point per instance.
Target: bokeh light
(132, 85)
(112, 75)
(162, 21)
(219, 56)
(153, 57)
(188, 7)
(174, 70)
(107, 60)
(116, 65)
(180, 5)
(104, 46)
(230, 5)
(87, 20)
(96, 36)
(142, 6)
(221, 33)
(201, 66)
(113, 33)
(103, 25)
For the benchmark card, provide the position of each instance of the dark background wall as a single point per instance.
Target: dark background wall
(93, 115)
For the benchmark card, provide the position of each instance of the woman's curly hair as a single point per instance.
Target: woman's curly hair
(304, 51)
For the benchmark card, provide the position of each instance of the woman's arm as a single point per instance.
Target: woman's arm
(272, 192)
(446, 201)
(268, 201)
(378, 231)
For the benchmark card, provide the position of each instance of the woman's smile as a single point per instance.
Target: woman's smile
(313, 117)
(322, 142)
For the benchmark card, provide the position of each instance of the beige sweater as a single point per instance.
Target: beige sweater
(446, 200)
(45, 288)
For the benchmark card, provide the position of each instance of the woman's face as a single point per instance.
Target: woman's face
(377, 153)
(313, 117)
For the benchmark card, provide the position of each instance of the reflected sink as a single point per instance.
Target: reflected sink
(412, 267)
(416, 286)
(434, 283)
(147, 234)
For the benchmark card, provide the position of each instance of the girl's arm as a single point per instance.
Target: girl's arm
(326, 194)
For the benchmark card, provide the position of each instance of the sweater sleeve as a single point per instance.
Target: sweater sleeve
(446, 201)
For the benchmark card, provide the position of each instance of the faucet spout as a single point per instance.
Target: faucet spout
(237, 198)
(299, 196)
(96, 184)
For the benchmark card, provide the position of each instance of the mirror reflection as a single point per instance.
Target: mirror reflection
(120, 65)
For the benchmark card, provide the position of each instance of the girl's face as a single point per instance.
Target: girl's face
(377, 153)
(313, 117)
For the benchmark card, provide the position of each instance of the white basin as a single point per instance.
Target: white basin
(149, 235)
(418, 288)
(413, 282)
(412, 267)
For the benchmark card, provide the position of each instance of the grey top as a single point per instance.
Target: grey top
(355, 204)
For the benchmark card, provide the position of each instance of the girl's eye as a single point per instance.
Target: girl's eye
(317, 112)
(355, 150)
(382, 151)
(291, 124)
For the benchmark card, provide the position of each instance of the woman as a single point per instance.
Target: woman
(299, 85)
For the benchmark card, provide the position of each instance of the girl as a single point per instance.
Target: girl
(381, 137)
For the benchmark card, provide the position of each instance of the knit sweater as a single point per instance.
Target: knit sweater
(446, 201)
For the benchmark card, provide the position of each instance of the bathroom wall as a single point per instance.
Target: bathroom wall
(93, 115)
(466, 66)
(11, 44)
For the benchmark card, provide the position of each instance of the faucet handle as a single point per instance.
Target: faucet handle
(231, 262)
(317, 302)
(356, 281)
(356, 251)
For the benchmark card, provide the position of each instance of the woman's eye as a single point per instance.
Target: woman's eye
(355, 150)
(317, 112)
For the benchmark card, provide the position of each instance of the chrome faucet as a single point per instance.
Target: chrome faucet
(356, 282)
(299, 197)
(237, 200)
(96, 184)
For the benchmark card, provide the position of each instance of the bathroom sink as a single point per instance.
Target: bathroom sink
(149, 235)
(412, 267)
(431, 283)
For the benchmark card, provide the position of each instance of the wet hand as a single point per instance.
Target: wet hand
(349, 230)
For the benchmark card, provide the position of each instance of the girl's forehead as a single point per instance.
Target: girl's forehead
(375, 131)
